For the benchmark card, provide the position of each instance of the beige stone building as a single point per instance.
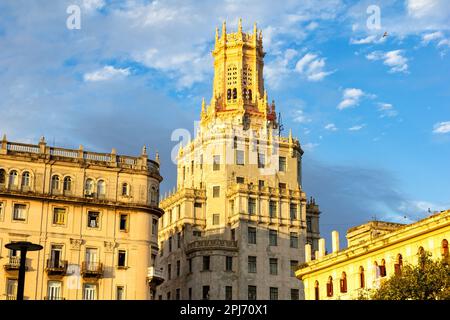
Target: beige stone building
(95, 215)
(236, 224)
(376, 250)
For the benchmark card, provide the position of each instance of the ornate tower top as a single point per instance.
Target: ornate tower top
(238, 87)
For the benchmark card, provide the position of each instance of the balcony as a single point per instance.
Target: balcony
(56, 267)
(54, 298)
(155, 276)
(11, 297)
(13, 264)
(92, 270)
(213, 244)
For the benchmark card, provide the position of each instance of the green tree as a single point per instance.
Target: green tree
(428, 280)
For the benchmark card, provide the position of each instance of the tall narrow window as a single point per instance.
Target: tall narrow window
(178, 294)
(67, 184)
(89, 291)
(125, 189)
(2, 176)
(316, 290)
(282, 164)
(261, 160)
(295, 294)
(294, 240)
(170, 244)
(294, 265)
(272, 209)
(59, 216)
(11, 289)
(444, 249)
(251, 264)
(205, 292)
(93, 219)
(89, 187)
(54, 290)
(178, 268)
(228, 293)
(13, 179)
(343, 282)
(251, 235)
(383, 268)
(206, 263)
(273, 293)
(216, 163)
(25, 179)
(216, 191)
(120, 293)
(190, 294)
(398, 265)
(293, 211)
(123, 224)
(251, 292)
(330, 287)
(228, 263)
(55, 183)
(240, 157)
(362, 280)
(251, 206)
(234, 93)
(216, 218)
(122, 259)
(273, 266)
(101, 188)
(190, 264)
(154, 227)
(273, 237)
(169, 271)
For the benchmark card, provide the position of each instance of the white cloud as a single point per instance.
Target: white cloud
(106, 73)
(312, 67)
(422, 8)
(92, 5)
(357, 127)
(331, 127)
(368, 40)
(387, 110)
(442, 127)
(426, 38)
(312, 26)
(350, 98)
(392, 59)
(300, 117)
(276, 70)
(309, 146)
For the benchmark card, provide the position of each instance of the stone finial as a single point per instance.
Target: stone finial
(224, 31)
(203, 105)
(307, 253)
(144, 150)
(240, 25)
(157, 157)
(290, 136)
(260, 35)
(335, 241)
(217, 35)
(321, 247)
(4, 137)
(42, 140)
(113, 151)
(80, 147)
(254, 29)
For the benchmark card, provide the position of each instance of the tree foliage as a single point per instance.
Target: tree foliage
(428, 280)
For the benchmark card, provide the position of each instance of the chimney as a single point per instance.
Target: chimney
(335, 241)
(307, 253)
(321, 248)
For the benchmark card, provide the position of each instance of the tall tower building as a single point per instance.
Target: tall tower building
(235, 226)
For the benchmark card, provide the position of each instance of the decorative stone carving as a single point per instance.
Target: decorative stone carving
(75, 244)
(109, 246)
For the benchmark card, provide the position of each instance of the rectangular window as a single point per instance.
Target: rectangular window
(308, 224)
(206, 263)
(294, 264)
(93, 219)
(190, 293)
(282, 164)
(240, 157)
(282, 186)
(89, 291)
(233, 234)
(122, 259)
(178, 240)
(216, 163)
(273, 263)
(190, 264)
(196, 233)
(216, 191)
(59, 216)
(261, 160)
(120, 293)
(201, 162)
(20, 211)
(294, 240)
(205, 293)
(251, 264)
(240, 180)
(251, 235)
(261, 184)
(54, 290)
(11, 289)
(251, 292)
(154, 227)
(178, 268)
(168, 296)
(273, 237)
(293, 211)
(273, 293)
(229, 263)
(228, 293)
(161, 248)
(170, 244)
(216, 219)
(169, 271)
(123, 225)
(251, 206)
(295, 294)
(178, 294)
(272, 209)
(1, 210)
(231, 206)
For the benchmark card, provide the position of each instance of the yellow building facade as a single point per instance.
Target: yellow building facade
(235, 225)
(376, 251)
(95, 215)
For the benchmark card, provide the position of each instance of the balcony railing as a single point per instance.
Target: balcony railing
(92, 269)
(155, 276)
(54, 298)
(11, 297)
(13, 264)
(213, 244)
(56, 267)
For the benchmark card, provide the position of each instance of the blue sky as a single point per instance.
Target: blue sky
(371, 112)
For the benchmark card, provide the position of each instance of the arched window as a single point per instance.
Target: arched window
(153, 196)
(55, 182)
(376, 270)
(398, 265)
(343, 282)
(383, 268)
(13, 178)
(228, 94)
(420, 251)
(125, 189)
(234, 93)
(330, 286)
(26, 179)
(244, 93)
(101, 188)
(89, 186)
(67, 184)
(250, 94)
(2, 176)
(362, 280)
(316, 290)
(444, 249)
